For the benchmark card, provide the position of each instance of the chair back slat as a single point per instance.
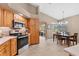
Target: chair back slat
(75, 36)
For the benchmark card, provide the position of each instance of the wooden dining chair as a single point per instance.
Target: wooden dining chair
(73, 38)
(55, 36)
(60, 39)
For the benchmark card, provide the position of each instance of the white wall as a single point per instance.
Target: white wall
(73, 25)
(45, 18)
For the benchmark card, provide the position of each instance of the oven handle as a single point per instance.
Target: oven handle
(22, 37)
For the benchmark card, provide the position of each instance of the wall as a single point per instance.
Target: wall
(73, 24)
(45, 18)
(48, 20)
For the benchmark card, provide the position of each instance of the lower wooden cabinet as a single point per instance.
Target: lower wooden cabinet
(13, 47)
(8, 48)
(5, 49)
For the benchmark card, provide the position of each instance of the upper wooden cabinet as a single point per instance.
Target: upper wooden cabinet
(19, 18)
(25, 23)
(1, 17)
(6, 17)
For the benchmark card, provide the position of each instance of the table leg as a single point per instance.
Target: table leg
(68, 42)
(53, 37)
(70, 55)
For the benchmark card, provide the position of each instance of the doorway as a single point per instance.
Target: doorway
(43, 29)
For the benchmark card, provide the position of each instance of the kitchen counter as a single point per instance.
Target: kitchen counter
(6, 38)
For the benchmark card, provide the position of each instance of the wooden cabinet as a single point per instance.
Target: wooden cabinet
(5, 49)
(18, 18)
(33, 26)
(6, 18)
(37, 30)
(26, 23)
(8, 48)
(1, 17)
(13, 47)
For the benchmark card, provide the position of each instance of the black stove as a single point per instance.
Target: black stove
(22, 40)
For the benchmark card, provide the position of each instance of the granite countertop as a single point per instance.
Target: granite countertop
(6, 38)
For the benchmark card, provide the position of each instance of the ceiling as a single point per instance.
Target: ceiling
(25, 9)
(55, 10)
(19, 8)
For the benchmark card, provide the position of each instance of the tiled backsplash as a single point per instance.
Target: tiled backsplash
(5, 30)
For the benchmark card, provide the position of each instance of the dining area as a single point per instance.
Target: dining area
(65, 38)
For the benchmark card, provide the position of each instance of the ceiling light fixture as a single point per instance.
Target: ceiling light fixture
(63, 19)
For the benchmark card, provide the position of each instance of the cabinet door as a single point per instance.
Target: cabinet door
(5, 49)
(32, 35)
(5, 18)
(2, 50)
(26, 23)
(1, 17)
(33, 32)
(13, 47)
(37, 30)
(8, 18)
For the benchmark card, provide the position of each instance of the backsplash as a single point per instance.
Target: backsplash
(4, 31)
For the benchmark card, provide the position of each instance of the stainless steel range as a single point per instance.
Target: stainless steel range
(22, 40)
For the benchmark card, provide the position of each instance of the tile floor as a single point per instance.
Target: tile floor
(46, 48)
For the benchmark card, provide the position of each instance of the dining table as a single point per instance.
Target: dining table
(63, 35)
(67, 38)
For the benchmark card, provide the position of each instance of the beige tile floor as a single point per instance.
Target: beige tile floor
(46, 48)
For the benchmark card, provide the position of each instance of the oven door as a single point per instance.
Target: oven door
(22, 41)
